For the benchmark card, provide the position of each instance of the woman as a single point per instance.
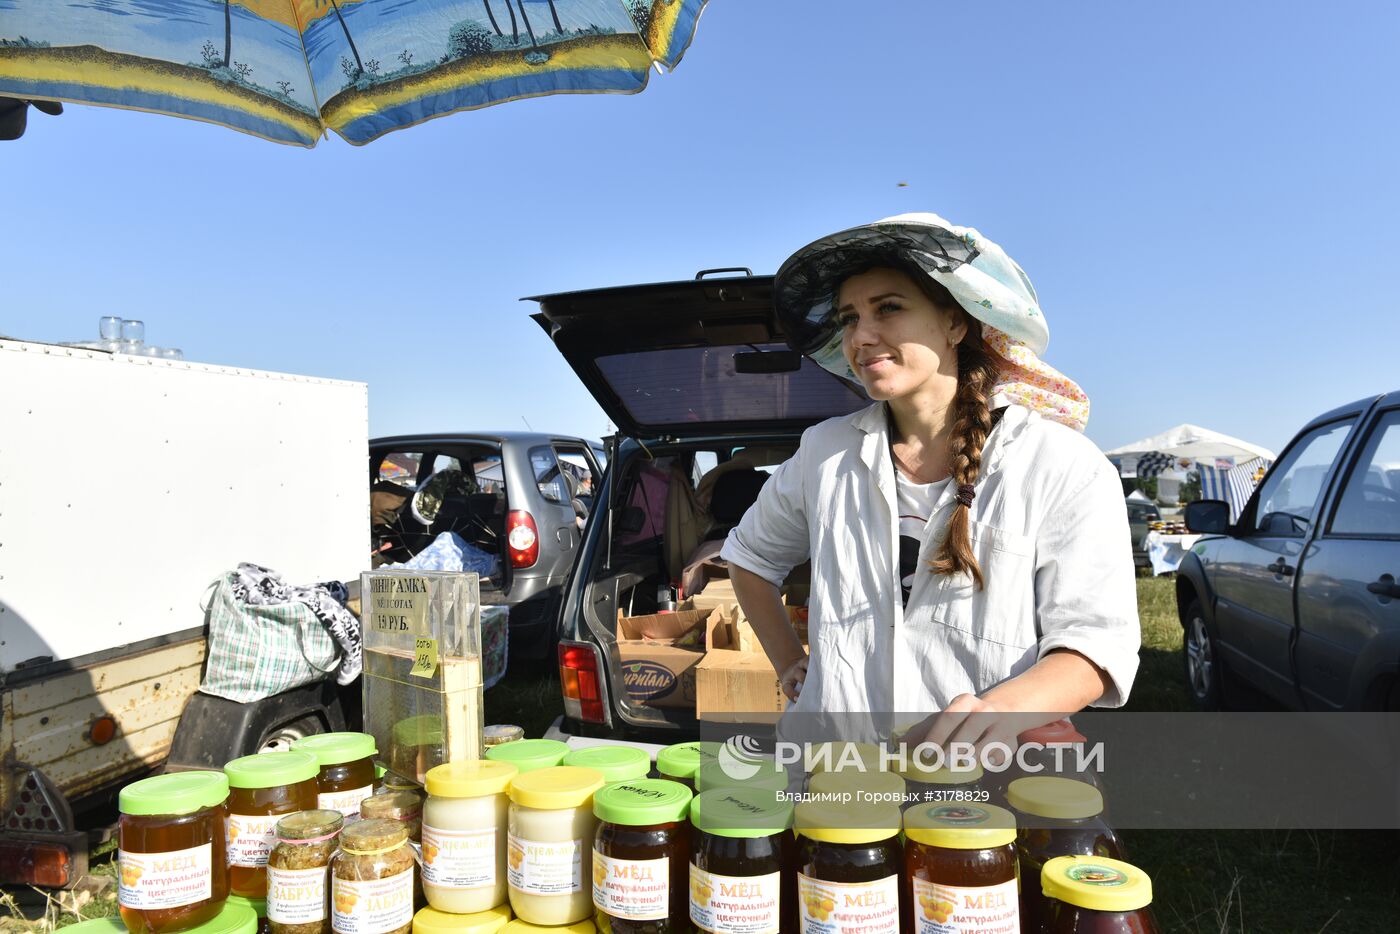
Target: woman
(970, 548)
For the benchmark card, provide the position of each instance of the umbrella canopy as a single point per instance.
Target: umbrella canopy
(287, 70)
(1194, 443)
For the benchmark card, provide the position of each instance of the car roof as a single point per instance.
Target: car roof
(498, 437)
(1351, 408)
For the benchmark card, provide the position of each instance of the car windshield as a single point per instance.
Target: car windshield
(691, 385)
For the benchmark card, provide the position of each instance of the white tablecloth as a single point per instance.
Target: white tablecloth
(1166, 551)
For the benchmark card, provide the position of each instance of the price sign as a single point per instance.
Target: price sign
(425, 658)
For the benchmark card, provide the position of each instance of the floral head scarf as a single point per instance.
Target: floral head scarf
(980, 276)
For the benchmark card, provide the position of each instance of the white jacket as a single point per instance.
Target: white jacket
(1049, 529)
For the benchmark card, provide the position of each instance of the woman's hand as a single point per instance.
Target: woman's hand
(792, 678)
(972, 720)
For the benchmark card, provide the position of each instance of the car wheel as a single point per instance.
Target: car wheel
(1204, 672)
(280, 739)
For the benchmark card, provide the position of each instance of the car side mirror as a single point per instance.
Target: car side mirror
(630, 520)
(1208, 516)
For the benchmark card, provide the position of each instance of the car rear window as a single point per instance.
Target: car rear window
(676, 386)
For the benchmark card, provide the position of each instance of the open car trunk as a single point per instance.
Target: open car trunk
(708, 399)
(460, 489)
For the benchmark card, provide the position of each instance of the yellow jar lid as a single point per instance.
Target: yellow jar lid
(1096, 883)
(432, 921)
(920, 769)
(853, 823)
(880, 783)
(842, 756)
(960, 826)
(1055, 798)
(473, 778)
(556, 787)
(524, 927)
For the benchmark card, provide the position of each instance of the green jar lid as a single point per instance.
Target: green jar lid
(174, 793)
(617, 763)
(683, 760)
(642, 803)
(271, 769)
(236, 917)
(259, 905)
(763, 774)
(336, 748)
(530, 754)
(740, 812)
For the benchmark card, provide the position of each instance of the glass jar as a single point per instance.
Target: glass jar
(464, 835)
(1055, 817)
(762, 773)
(262, 788)
(1055, 753)
(550, 831)
(497, 734)
(519, 926)
(372, 879)
(741, 862)
(392, 781)
(926, 784)
(406, 807)
(347, 770)
(640, 856)
(680, 762)
(1092, 895)
(298, 872)
(961, 865)
(171, 854)
(529, 754)
(617, 763)
(490, 921)
(849, 865)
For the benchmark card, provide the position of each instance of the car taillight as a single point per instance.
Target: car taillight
(522, 539)
(578, 678)
(33, 863)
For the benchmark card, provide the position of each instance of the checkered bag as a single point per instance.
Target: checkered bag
(258, 650)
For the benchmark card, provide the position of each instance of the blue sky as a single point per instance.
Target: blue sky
(1204, 194)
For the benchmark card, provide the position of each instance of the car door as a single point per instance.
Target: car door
(1257, 569)
(1348, 595)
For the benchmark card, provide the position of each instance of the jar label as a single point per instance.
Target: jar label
(632, 889)
(537, 868)
(956, 909)
(346, 802)
(734, 904)
(373, 906)
(459, 859)
(249, 838)
(165, 880)
(296, 896)
(832, 907)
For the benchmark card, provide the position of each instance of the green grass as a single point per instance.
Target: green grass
(1206, 882)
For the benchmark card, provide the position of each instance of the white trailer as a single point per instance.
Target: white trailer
(127, 486)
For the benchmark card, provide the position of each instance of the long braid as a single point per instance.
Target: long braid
(972, 423)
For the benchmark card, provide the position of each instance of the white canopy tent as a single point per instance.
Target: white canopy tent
(1191, 442)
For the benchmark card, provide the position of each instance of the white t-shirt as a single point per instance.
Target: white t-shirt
(916, 505)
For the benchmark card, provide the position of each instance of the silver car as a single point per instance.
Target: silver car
(1298, 597)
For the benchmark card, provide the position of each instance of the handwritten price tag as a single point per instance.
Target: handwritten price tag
(425, 658)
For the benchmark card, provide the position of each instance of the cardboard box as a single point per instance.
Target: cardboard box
(659, 654)
(735, 675)
(718, 592)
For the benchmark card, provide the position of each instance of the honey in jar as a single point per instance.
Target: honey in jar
(641, 855)
(849, 866)
(347, 774)
(742, 859)
(171, 860)
(1092, 895)
(962, 870)
(262, 788)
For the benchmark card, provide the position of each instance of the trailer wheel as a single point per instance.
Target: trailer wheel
(280, 739)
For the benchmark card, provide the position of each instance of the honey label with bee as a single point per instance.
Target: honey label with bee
(834, 907)
(459, 859)
(372, 906)
(734, 904)
(632, 889)
(165, 880)
(296, 896)
(952, 909)
(249, 839)
(535, 867)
